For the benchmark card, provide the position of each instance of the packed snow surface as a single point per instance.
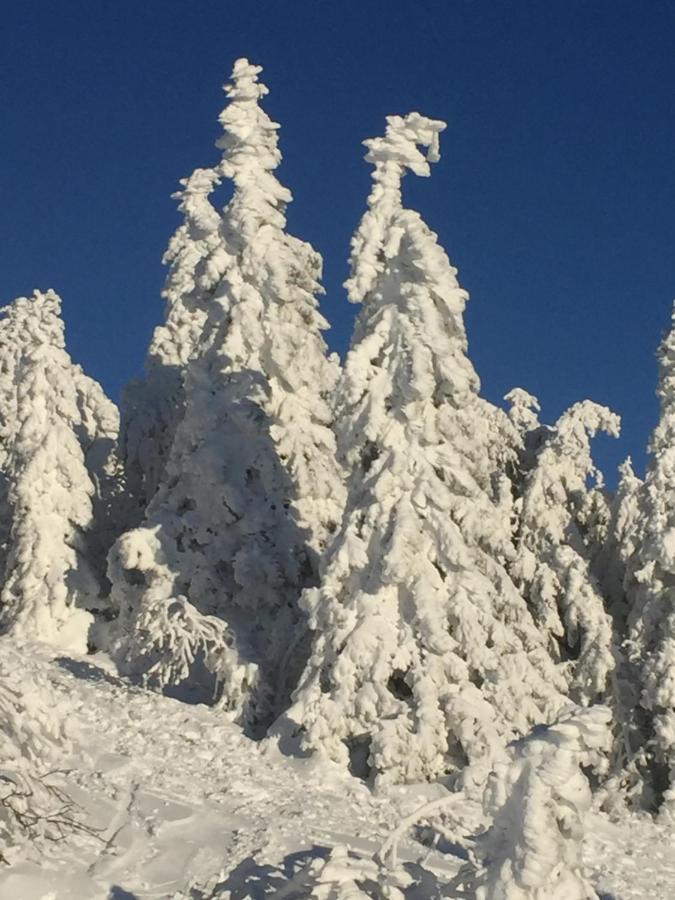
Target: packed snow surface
(181, 805)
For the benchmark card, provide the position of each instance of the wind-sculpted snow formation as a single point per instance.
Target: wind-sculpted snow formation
(425, 655)
(538, 799)
(56, 457)
(208, 586)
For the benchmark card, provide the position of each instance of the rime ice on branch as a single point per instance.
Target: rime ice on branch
(425, 656)
(251, 489)
(58, 432)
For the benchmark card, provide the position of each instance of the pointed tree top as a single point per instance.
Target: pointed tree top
(525, 409)
(666, 351)
(392, 154)
(248, 130)
(250, 152)
(244, 82)
(33, 321)
(662, 436)
(400, 144)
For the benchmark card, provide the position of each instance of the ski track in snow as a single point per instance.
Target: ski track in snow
(183, 803)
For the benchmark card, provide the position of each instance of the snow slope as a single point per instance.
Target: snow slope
(184, 807)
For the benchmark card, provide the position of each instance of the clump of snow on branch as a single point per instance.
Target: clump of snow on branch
(552, 566)
(425, 656)
(58, 466)
(251, 490)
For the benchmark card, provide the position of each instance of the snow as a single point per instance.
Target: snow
(184, 806)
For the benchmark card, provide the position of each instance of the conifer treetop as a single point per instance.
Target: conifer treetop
(663, 437)
(250, 151)
(392, 154)
(33, 321)
(192, 256)
(525, 409)
(398, 149)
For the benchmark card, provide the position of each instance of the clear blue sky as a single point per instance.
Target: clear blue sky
(555, 194)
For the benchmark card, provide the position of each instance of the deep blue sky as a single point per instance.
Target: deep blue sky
(555, 194)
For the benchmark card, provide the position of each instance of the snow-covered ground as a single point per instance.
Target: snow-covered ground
(181, 805)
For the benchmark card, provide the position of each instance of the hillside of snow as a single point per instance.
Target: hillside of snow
(173, 802)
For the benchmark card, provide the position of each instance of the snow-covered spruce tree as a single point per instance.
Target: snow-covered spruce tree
(153, 406)
(552, 566)
(538, 799)
(649, 549)
(252, 490)
(424, 656)
(58, 434)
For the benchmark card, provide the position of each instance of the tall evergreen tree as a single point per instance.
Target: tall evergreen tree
(252, 490)
(425, 656)
(552, 566)
(56, 448)
(649, 550)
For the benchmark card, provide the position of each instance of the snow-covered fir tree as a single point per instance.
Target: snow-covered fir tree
(537, 799)
(552, 566)
(425, 656)
(153, 406)
(648, 547)
(58, 467)
(251, 490)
